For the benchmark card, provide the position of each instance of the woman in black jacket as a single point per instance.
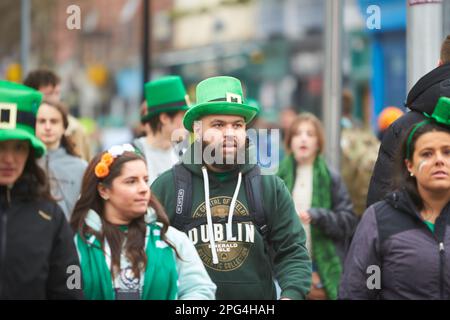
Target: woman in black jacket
(399, 250)
(421, 100)
(38, 259)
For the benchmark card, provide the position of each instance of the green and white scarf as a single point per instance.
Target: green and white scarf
(160, 276)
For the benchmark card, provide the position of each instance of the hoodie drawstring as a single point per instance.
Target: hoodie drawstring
(232, 205)
(212, 241)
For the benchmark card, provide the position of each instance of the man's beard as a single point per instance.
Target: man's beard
(222, 161)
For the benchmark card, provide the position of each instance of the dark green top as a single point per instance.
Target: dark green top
(222, 176)
(430, 225)
(244, 270)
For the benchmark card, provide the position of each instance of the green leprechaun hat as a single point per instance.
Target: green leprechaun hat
(18, 108)
(441, 113)
(164, 95)
(219, 95)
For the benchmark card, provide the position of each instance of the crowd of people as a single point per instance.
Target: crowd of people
(186, 212)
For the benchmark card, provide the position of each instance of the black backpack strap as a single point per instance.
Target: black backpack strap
(253, 189)
(183, 195)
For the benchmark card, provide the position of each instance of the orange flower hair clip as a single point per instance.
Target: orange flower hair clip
(102, 168)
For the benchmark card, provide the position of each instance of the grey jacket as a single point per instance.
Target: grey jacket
(65, 174)
(394, 255)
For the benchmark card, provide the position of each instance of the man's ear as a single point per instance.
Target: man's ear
(164, 118)
(440, 63)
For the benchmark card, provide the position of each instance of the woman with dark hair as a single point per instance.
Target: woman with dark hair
(36, 248)
(322, 203)
(63, 166)
(124, 253)
(399, 248)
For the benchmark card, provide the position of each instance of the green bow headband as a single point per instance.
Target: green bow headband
(441, 115)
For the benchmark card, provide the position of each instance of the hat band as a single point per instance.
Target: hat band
(218, 99)
(27, 118)
(22, 117)
(160, 107)
(233, 98)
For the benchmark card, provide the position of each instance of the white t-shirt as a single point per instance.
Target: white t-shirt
(302, 195)
(127, 285)
(158, 160)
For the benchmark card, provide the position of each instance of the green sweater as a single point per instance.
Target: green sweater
(244, 270)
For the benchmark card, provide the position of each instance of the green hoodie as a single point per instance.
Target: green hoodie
(244, 269)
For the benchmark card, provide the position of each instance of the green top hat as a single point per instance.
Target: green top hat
(164, 95)
(219, 95)
(18, 108)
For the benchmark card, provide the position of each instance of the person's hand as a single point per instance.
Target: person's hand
(317, 292)
(305, 217)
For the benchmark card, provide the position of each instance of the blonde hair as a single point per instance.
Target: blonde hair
(305, 117)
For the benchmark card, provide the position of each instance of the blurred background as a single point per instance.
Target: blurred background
(275, 47)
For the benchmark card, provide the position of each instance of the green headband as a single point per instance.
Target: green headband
(413, 131)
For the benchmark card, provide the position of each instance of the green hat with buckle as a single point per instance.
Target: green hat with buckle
(18, 108)
(219, 95)
(165, 94)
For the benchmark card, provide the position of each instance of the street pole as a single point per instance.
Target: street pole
(332, 81)
(25, 17)
(146, 52)
(424, 38)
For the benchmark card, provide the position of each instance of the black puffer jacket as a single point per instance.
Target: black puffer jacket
(423, 97)
(414, 262)
(36, 248)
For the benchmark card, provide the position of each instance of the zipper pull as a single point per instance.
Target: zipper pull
(441, 246)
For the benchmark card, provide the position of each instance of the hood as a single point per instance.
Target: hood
(94, 221)
(425, 94)
(23, 190)
(191, 161)
(401, 201)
